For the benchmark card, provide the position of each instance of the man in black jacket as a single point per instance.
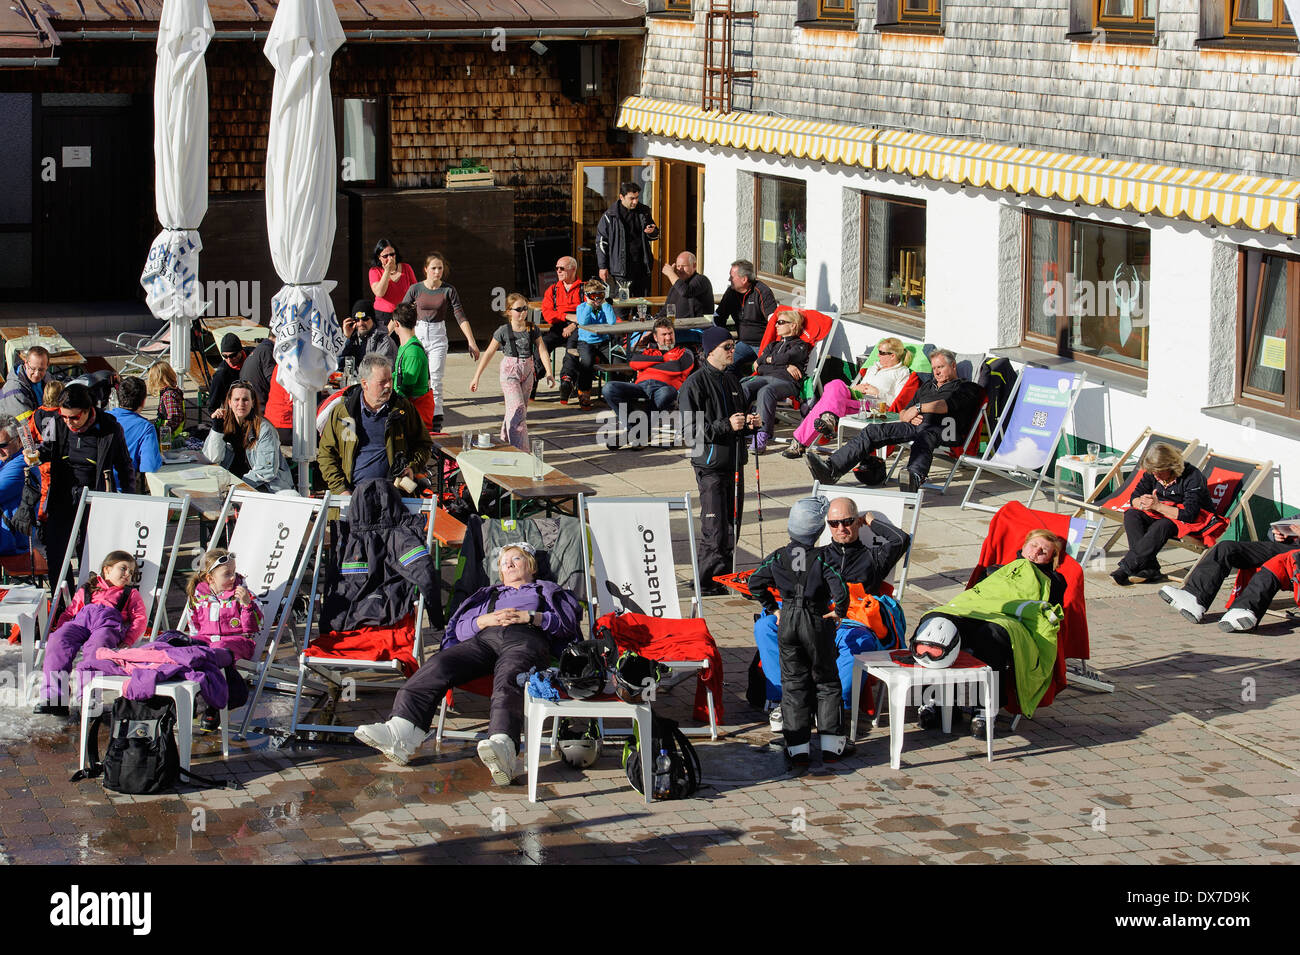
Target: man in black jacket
(749, 303)
(623, 238)
(364, 336)
(228, 372)
(690, 292)
(941, 413)
(258, 368)
(715, 426)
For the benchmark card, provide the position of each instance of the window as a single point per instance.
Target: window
(361, 129)
(910, 16)
(1122, 17)
(893, 257)
(669, 8)
(781, 229)
(1087, 291)
(1248, 24)
(823, 13)
(1268, 327)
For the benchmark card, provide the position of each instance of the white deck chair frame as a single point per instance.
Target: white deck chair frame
(981, 421)
(812, 371)
(154, 597)
(892, 505)
(278, 595)
(327, 667)
(1031, 478)
(675, 505)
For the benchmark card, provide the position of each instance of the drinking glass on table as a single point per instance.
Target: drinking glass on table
(538, 465)
(641, 312)
(1094, 450)
(33, 330)
(671, 312)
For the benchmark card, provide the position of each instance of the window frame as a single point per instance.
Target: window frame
(848, 13)
(1280, 28)
(383, 158)
(1141, 25)
(814, 15)
(1220, 27)
(891, 17)
(1289, 404)
(1061, 345)
(913, 318)
(784, 283)
(671, 9)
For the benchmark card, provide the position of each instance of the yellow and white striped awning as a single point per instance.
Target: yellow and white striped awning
(1229, 199)
(803, 139)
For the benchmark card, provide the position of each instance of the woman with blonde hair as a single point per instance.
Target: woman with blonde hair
(778, 374)
(882, 380)
(1169, 500)
(517, 340)
(162, 382)
(502, 630)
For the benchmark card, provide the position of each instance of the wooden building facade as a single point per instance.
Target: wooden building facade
(1101, 184)
(416, 92)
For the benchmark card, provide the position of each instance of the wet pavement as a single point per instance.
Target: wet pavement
(1194, 758)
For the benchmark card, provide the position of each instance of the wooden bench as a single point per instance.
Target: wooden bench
(616, 370)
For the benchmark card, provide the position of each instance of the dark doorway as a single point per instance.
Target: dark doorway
(94, 201)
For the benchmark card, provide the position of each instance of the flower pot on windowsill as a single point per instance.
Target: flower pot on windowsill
(798, 268)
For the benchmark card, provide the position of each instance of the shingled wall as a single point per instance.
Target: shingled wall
(1005, 73)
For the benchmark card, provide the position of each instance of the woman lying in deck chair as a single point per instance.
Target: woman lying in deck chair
(502, 630)
(1009, 621)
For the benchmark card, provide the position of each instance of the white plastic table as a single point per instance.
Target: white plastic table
(907, 682)
(1090, 472)
(27, 607)
(537, 711)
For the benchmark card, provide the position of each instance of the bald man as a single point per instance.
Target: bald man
(560, 300)
(691, 292)
(857, 563)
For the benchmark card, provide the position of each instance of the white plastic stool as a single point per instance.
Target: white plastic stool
(183, 692)
(537, 711)
(899, 681)
(27, 607)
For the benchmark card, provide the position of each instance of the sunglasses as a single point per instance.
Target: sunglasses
(846, 522)
(223, 559)
(728, 347)
(784, 321)
(517, 309)
(389, 255)
(231, 354)
(884, 353)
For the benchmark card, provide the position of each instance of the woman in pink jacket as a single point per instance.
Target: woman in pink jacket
(106, 612)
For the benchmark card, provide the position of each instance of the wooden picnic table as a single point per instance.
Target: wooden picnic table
(62, 354)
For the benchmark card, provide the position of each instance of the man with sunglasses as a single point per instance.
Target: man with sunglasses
(228, 372)
(559, 303)
(861, 565)
(25, 388)
(364, 337)
(716, 428)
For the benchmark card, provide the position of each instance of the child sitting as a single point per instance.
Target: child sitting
(221, 608)
(106, 612)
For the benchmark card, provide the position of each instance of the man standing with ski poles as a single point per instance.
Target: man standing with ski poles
(716, 428)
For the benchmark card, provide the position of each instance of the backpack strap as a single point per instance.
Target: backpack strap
(94, 768)
(208, 781)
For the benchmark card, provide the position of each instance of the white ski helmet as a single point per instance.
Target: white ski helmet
(936, 643)
(579, 742)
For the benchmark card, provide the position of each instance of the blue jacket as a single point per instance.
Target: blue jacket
(587, 316)
(141, 440)
(11, 495)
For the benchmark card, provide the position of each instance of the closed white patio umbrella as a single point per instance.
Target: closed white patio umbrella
(300, 215)
(180, 148)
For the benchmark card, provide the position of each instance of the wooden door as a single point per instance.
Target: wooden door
(595, 189)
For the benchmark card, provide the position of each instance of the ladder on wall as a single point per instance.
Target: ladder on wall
(720, 71)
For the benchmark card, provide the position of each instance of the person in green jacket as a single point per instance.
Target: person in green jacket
(1009, 620)
(411, 370)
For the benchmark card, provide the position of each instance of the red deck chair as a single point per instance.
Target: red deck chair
(817, 328)
(1002, 543)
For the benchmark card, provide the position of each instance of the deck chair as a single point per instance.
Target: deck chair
(274, 538)
(818, 329)
(971, 443)
(1105, 506)
(635, 571)
(330, 669)
(1006, 535)
(482, 542)
(137, 524)
(891, 505)
(1023, 445)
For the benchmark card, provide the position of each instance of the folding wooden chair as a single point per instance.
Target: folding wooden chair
(1041, 402)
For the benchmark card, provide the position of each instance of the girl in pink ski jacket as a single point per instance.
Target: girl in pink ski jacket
(106, 612)
(221, 607)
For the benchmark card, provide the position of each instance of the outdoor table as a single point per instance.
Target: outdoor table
(247, 330)
(856, 422)
(62, 354)
(610, 332)
(904, 682)
(188, 473)
(1090, 472)
(509, 469)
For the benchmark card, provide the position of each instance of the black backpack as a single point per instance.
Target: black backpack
(683, 762)
(141, 758)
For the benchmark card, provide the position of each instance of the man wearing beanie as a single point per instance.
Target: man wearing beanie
(813, 596)
(715, 427)
(228, 372)
(364, 337)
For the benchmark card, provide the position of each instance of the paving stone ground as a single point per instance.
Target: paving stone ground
(1192, 759)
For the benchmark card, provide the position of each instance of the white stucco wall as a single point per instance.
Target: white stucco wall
(962, 293)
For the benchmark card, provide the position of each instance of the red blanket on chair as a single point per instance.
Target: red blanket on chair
(371, 643)
(661, 638)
